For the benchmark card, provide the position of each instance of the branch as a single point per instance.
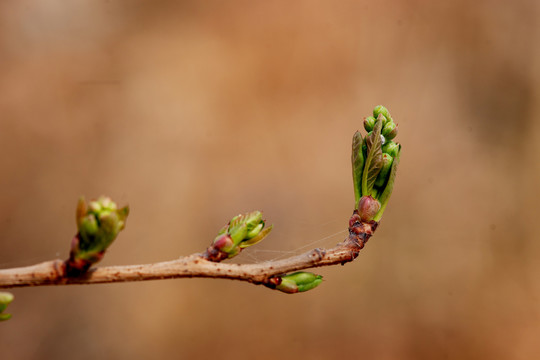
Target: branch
(374, 161)
(197, 265)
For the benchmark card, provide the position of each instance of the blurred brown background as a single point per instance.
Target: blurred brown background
(194, 111)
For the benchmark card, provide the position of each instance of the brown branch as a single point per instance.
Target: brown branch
(196, 265)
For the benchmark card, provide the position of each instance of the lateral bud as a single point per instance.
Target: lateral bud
(369, 123)
(296, 282)
(5, 299)
(368, 208)
(98, 223)
(242, 231)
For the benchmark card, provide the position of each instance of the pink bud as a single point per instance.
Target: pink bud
(368, 208)
(223, 243)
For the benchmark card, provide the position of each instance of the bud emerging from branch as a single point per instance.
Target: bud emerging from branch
(374, 161)
(5, 299)
(369, 123)
(293, 283)
(241, 232)
(99, 222)
(368, 208)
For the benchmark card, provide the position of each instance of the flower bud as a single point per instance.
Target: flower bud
(391, 148)
(390, 130)
(381, 110)
(368, 208)
(369, 123)
(385, 170)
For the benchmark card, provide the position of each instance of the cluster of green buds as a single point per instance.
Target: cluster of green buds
(242, 231)
(296, 282)
(5, 299)
(98, 223)
(374, 162)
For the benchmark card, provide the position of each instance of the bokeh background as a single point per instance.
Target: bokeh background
(194, 111)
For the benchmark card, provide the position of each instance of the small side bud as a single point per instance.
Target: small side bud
(99, 222)
(390, 131)
(391, 148)
(385, 170)
(224, 243)
(242, 231)
(297, 282)
(368, 208)
(369, 123)
(5, 299)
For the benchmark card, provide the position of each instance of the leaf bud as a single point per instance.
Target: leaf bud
(298, 282)
(5, 299)
(368, 208)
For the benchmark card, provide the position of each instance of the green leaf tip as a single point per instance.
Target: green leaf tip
(300, 281)
(374, 162)
(242, 231)
(5, 299)
(98, 223)
(357, 160)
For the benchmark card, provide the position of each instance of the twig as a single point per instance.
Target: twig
(196, 265)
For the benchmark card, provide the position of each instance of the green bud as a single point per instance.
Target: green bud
(94, 207)
(390, 130)
(238, 233)
(98, 225)
(5, 299)
(374, 162)
(385, 170)
(242, 231)
(384, 197)
(244, 227)
(369, 123)
(381, 110)
(255, 231)
(298, 282)
(260, 236)
(253, 221)
(88, 228)
(391, 148)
